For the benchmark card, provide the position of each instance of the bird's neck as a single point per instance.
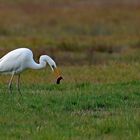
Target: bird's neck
(37, 66)
(42, 62)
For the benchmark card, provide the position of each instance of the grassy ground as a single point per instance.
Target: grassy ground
(106, 106)
(72, 111)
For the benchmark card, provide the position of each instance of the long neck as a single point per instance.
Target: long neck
(42, 62)
(35, 65)
(40, 65)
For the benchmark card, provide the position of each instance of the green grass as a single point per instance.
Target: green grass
(72, 111)
(93, 102)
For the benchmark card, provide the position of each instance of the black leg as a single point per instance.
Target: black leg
(18, 84)
(10, 83)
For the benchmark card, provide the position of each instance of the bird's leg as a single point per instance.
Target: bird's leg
(10, 83)
(18, 84)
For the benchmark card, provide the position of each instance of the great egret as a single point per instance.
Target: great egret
(20, 59)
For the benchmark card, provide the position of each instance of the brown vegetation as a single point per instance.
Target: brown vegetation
(76, 32)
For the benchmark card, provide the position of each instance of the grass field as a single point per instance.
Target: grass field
(72, 111)
(99, 103)
(96, 44)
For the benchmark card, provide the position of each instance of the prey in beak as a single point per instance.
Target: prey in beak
(58, 76)
(59, 79)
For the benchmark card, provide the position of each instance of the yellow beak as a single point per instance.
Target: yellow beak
(57, 72)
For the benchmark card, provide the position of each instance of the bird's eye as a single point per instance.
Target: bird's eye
(53, 66)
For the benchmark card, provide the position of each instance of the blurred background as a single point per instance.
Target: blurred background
(73, 32)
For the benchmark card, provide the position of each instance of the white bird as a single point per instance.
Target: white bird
(20, 59)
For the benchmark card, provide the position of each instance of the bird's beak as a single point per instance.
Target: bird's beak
(57, 72)
(58, 75)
